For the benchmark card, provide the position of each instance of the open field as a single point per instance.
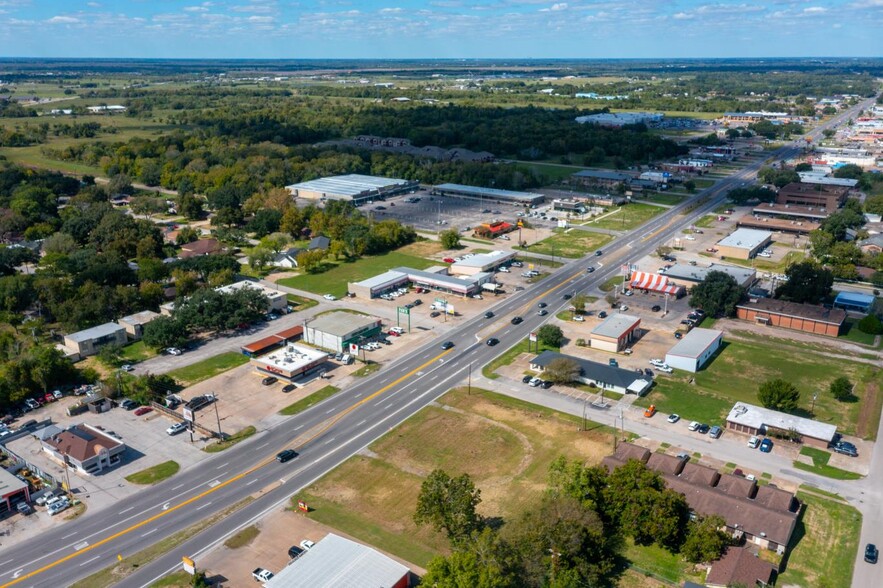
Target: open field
(489, 371)
(334, 280)
(373, 496)
(627, 217)
(664, 198)
(154, 474)
(824, 544)
(571, 243)
(230, 441)
(820, 465)
(762, 265)
(137, 351)
(300, 302)
(726, 381)
(207, 368)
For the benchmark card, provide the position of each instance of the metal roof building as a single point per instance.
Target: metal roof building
(482, 262)
(756, 420)
(492, 194)
(615, 333)
(855, 301)
(694, 350)
(396, 277)
(744, 243)
(744, 276)
(335, 562)
(354, 187)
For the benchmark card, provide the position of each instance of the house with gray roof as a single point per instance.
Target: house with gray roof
(592, 373)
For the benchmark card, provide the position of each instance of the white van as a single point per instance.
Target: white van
(346, 359)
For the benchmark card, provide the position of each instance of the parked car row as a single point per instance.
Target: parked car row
(536, 382)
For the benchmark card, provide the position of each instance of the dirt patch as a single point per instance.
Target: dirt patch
(867, 417)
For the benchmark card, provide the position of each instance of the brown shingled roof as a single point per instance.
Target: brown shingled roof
(775, 498)
(700, 475)
(81, 442)
(738, 566)
(666, 464)
(626, 451)
(736, 486)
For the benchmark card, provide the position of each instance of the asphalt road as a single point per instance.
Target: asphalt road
(325, 435)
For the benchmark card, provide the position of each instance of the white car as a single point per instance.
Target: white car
(693, 426)
(306, 544)
(623, 308)
(504, 270)
(173, 351)
(330, 297)
(690, 238)
(664, 369)
(57, 507)
(127, 368)
(656, 362)
(176, 428)
(579, 318)
(753, 442)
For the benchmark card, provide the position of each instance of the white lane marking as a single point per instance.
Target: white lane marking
(362, 422)
(298, 428)
(251, 482)
(203, 506)
(90, 560)
(81, 545)
(166, 506)
(223, 465)
(149, 532)
(213, 483)
(17, 573)
(127, 510)
(329, 441)
(175, 488)
(70, 535)
(359, 395)
(329, 411)
(262, 446)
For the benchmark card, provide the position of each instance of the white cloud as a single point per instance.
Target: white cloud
(390, 10)
(815, 10)
(260, 19)
(93, 4)
(63, 20)
(559, 6)
(196, 9)
(682, 16)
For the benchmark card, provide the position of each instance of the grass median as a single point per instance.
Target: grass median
(230, 441)
(305, 403)
(154, 474)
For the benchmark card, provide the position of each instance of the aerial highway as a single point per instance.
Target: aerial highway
(245, 482)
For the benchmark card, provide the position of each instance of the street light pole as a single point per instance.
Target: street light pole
(469, 388)
(218, 417)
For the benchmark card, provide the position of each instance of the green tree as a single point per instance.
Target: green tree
(690, 186)
(807, 282)
(718, 294)
(550, 335)
(562, 370)
(450, 239)
(778, 394)
(874, 204)
(705, 541)
(871, 325)
(841, 388)
(448, 504)
(585, 483)
(483, 560)
(579, 303)
(165, 331)
(187, 234)
(191, 206)
(259, 257)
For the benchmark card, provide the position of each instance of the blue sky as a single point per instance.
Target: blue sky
(292, 29)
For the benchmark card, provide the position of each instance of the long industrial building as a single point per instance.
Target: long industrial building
(355, 188)
(488, 194)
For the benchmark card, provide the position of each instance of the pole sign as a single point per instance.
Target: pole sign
(188, 414)
(449, 309)
(189, 565)
(354, 348)
(533, 337)
(404, 310)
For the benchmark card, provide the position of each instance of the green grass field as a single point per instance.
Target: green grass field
(570, 243)
(665, 198)
(820, 465)
(706, 222)
(305, 403)
(725, 381)
(822, 550)
(627, 217)
(300, 302)
(489, 370)
(154, 474)
(855, 335)
(776, 267)
(207, 368)
(137, 351)
(611, 283)
(335, 279)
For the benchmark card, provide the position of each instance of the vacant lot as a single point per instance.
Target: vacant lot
(335, 278)
(627, 217)
(207, 368)
(734, 375)
(511, 444)
(665, 198)
(571, 243)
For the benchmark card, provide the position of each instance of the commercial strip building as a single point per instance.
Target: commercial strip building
(656, 283)
(601, 178)
(134, 323)
(12, 491)
(615, 333)
(744, 243)
(756, 420)
(765, 516)
(812, 195)
(807, 318)
(792, 211)
(482, 262)
(621, 119)
(89, 341)
(355, 188)
(741, 119)
(599, 375)
(436, 279)
(83, 447)
(783, 225)
(271, 342)
(695, 349)
(855, 301)
(336, 331)
(335, 562)
(489, 194)
(822, 178)
(744, 276)
(290, 361)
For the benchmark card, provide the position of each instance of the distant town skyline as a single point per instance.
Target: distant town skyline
(290, 29)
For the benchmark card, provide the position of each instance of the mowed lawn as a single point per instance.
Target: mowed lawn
(737, 371)
(627, 217)
(572, 243)
(207, 368)
(506, 447)
(335, 279)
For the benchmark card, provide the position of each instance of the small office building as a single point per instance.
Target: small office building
(134, 323)
(289, 361)
(744, 243)
(89, 341)
(615, 333)
(599, 375)
(481, 262)
(807, 318)
(855, 302)
(744, 276)
(85, 448)
(335, 331)
(756, 420)
(278, 301)
(693, 351)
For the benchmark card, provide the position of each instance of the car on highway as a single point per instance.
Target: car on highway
(599, 253)
(871, 553)
(331, 297)
(590, 269)
(492, 341)
(542, 312)
(286, 455)
(655, 308)
(766, 446)
(142, 411)
(176, 428)
(269, 380)
(753, 442)
(489, 314)
(673, 417)
(516, 320)
(542, 305)
(567, 296)
(289, 388)
(447, 345)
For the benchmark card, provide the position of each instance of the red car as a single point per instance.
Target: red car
(49, 398)
(142, 410)
(448, 260)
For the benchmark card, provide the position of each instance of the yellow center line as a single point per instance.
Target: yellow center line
(239, 476)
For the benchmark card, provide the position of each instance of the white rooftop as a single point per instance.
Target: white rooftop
(483, 259)
(246, 285)
(139, 318)
(335, 562)
(695, 342)
(745, 238)
(757, 417)
(10, 484)
(340, 323)
(292, 357)
(615, 325)
(348, 185)
(95, 332)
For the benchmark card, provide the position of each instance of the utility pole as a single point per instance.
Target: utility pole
(217, 416)
(469, 388)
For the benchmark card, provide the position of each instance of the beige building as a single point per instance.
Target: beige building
(88, 342)
(134, 323)
(616, 333)
(744, 243)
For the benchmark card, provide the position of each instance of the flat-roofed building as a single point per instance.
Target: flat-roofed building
(615, 333)
(355, 188)
(489, 194)
(12, 491)
(602, 178)
(85, 448)
(812, 195)
(271, 342)
(289, 361)
(807, 318)
(855, 301)
(89, 341)
(277, 300)
(783, 225)
(439, 281)
(134, 323)
(744, 243)
(336, 331)
(756, 420)
(744, 276)
(813, 177)
(695, 349)
(792, 211)
(481, 262)
(600, 375)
